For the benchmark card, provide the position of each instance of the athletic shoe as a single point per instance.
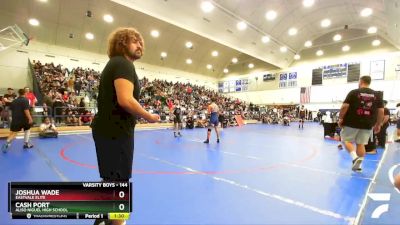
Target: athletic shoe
(357, 164)
(175, 135)
(5, 147)
(206, 141)
(218, 140)
(28, 145)
(180, 135)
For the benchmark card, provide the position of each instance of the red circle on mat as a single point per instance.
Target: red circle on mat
(247, 170)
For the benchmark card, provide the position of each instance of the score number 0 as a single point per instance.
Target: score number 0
(121, 206)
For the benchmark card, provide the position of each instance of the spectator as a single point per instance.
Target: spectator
(71, 83)
(31, 97)
(48, 129)
(397, 117)
(78, 86)
(86, 118)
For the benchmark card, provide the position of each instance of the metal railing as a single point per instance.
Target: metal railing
(64, 116)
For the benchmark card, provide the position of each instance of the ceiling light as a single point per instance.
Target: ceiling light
(265, 39)
(188, 61)
(89, 36)
(163, 54)
(34, 22)
(283, 49)
(292, 31)
(214, 53)
(319, 53)
(226, 70)
(270, 15)
(337, 37)
(155, 33)
(366, 12)
(308, 3)
(241, 25)
(209, 66)
(326, 23)
(296, 57)
(207, 6)
(376, 42)
(234, 60)
(42, 0)
(308, 44)
(251, 65)
(372, 30)
(189, 44)
(346, 48)
(108, 18)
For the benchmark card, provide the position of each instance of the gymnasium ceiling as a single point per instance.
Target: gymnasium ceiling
(179, 21)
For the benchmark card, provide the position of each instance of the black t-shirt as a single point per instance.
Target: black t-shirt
(178, 113)
(363, 108)
(77, 84)
(17, 107)
(10, 98)
(111, 119)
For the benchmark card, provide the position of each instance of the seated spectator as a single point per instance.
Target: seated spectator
(189, 123)
(86, 118)
(286, 120)
(48, 129)
(72, 118)
(201, 123)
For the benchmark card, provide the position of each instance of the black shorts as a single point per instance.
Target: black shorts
(398, 124)
(177, 120)
(16, 127)
(114, 156)
(302, 117)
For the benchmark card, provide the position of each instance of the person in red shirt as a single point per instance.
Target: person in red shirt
(66, 96)
(31, 97)
(86, 118)
(170, 104)
(189, 90)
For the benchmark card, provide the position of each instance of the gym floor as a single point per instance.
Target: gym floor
(258, 174)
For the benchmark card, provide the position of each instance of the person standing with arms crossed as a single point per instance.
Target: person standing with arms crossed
(213, 110)
(361, 111)
(118, 108)
(21, 119)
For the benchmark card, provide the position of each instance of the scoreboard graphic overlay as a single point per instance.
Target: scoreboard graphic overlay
(69, 200)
